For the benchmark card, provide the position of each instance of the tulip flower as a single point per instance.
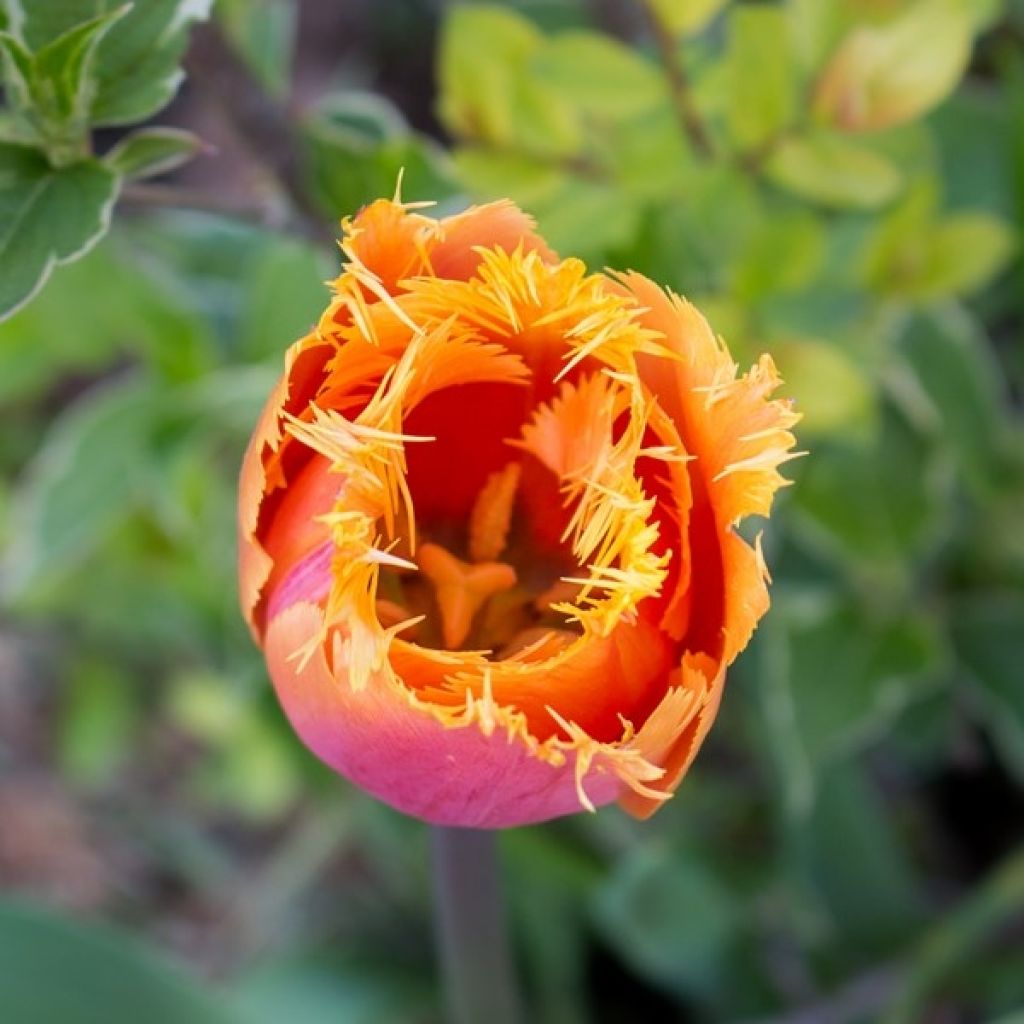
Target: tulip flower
(487, 523)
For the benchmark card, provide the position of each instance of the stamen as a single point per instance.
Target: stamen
(492, 514)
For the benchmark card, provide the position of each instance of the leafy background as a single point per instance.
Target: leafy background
(840, 182)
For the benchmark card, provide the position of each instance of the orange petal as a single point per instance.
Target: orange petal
(389, 241)
(498, 225)
(594, 683)
(737, 437)
(673, 734)
(302, 375)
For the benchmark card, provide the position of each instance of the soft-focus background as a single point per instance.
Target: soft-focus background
(840, 182)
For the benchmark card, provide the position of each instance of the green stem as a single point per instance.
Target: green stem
(476, 964)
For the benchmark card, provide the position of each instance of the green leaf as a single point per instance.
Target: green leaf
(980, 121)
(646, 154)
(35, 352)
(882, 76)
(988, 636)
(326, 990)
(597, 74)
(859, 504)
(132, 72)
(960, 383)
(488, 94)
(230, 399)
(815, 27)
(834, 172)
(104, 977)
(963, 937)
(686, 17)
(671, 918)
(481, 50)
(49, 216)
(98, 718)
(820, 25)
(492, 175)
(695, 244)
(357, 144)
(964, 252)
(263, 31)
(207, 707)
(761, 82)
(51, 90)
(150, 152)
(833, 678)
(285, 296)
(37, 24)
(358, 119)
(63, 67)
(148, 317)
(88, 476)
(18, 67)
(137, 65)
(781, 253)
(983, 13)
(859, 864)
(833, 394)
(585, 218)
(915, 255)
(255, 775)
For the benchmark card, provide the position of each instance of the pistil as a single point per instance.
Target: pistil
(461, 588)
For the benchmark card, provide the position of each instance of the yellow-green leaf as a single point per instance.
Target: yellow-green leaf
(782, 252)
(685, 17)
(491, 175)
(487, 92)
(833, 171)
(967, 250)
(888, 74)
(914, 255)
(760, 73)
(984, 13)
(598, 74)
(831, 391)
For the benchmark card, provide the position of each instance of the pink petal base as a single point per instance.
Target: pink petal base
(403, 756)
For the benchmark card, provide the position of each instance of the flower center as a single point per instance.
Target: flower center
(498, 597)
(461, 589)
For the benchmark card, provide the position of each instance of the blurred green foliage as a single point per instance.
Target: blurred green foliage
(839, 183)
(68, 68)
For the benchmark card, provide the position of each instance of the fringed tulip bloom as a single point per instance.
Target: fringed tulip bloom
(487, 523)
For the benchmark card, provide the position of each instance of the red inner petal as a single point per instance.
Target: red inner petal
(470, 423)
(705, 632)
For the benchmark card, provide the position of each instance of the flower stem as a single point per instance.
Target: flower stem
(470, 919)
